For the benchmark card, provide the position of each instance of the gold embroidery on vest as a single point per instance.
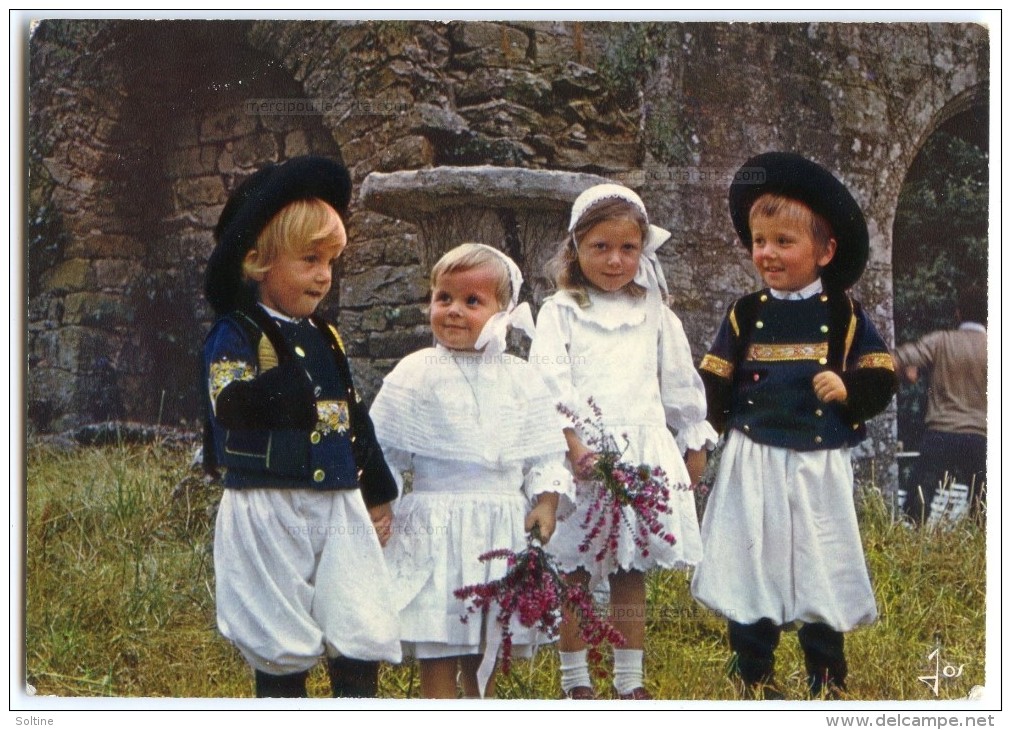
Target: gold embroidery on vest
(717, 366)
(787, 353)
(224, 372)
(876, 360)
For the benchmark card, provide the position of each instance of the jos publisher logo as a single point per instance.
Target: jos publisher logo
(949, 671)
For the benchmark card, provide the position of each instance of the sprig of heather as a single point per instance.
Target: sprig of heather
(533, 591)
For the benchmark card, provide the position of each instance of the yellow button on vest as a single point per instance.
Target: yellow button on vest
(315, 437)
(824, 328)
(318, 475)
(817, 439)
(764, 298)
(299, 351)
(747, 428)
(759, 324)
(818, 412)
(824, 297)
(822, 361)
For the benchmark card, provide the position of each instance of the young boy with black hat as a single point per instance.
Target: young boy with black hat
(298, 560)
(794, 372)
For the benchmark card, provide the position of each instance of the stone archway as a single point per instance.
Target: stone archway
(118, 317)
(939, 237)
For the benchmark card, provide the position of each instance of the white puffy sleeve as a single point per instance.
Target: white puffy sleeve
(681, 390)
(550, 474)
(549, 353)
(399, 461)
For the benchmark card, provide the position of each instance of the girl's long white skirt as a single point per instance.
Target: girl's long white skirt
(780, 539)
(300, 575)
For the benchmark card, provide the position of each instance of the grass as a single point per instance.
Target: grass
(119, 598)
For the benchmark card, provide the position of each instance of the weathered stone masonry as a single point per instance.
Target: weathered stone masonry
(138, 130)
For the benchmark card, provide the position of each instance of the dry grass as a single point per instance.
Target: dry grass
(119, 596)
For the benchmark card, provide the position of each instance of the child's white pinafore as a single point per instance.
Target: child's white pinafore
(632, 357)
(479, 436)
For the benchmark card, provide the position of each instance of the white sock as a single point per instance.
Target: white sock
(627, 670)
(575, 670)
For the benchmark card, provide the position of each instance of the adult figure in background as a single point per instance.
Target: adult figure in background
(955, 440)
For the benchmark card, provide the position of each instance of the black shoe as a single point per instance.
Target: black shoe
(280, 685)
(353, 677)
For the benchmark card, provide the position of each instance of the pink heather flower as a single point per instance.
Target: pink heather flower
(532, 590)
(619, 485)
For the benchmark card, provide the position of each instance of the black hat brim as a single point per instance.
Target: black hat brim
(251, 207)
(797, 177)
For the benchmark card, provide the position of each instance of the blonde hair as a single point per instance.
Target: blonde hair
(469, 256)
(564, 265)
(297, 227)
(769, 205)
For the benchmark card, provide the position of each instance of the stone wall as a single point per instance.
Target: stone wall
(138, 130)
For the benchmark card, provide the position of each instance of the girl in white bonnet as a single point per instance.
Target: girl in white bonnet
(476, 428)
(609, 334)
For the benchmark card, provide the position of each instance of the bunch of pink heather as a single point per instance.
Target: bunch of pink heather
(618, 484)
(533, 592)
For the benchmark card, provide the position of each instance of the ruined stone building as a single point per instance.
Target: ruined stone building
(138, 130)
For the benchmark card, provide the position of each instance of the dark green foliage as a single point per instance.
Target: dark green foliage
(940, 247)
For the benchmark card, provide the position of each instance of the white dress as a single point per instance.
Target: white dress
(479, 437)
(632, 357)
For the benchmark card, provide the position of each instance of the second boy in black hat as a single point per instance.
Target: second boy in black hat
(298, 561)
(794, 372)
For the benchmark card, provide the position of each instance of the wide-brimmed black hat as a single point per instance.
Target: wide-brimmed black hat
(259, 198)
(801, 179)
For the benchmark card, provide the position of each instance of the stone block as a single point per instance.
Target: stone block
(50, 392)
(254, 151)
(228, 124)
(502, 118)
(98, 244)
(374, 320)
(206, 190)
(487, 44)
(383, 285)
(116, 274)
(72, 275)
(575, 80)
(516, 85)
(191, 161)
(296, 143)
(95, 309)
(432, 119)
(408, 153)
(407, 315)
(398, 344)
(600, 156)
(76, 349)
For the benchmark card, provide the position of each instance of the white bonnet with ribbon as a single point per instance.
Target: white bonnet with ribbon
(650, 274)
(492, 339)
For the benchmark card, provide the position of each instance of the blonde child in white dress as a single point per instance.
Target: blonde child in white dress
(476, 429)
(608, 334)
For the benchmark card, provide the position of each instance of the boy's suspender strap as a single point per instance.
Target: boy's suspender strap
(744, 314)
(842, 326)
(256, 323)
